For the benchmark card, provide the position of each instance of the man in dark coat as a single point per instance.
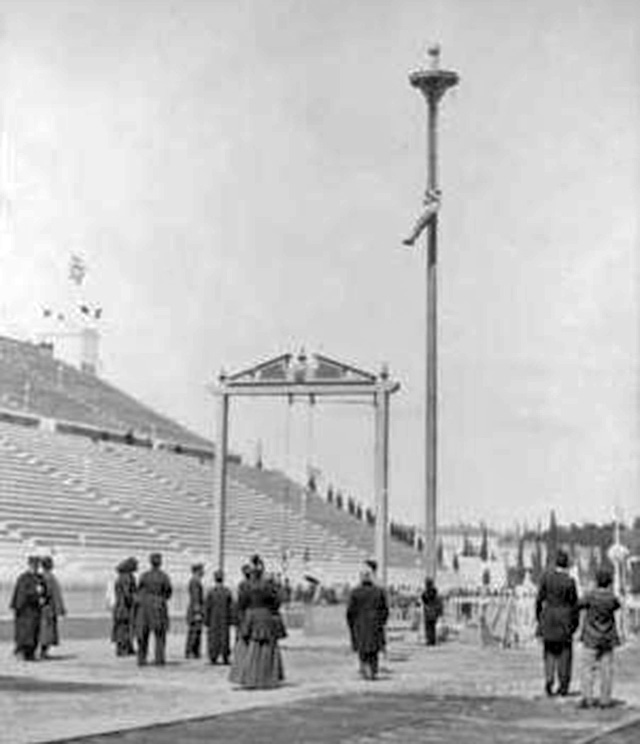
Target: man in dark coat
(558, 617)
(367, 614)
(218, 616)
(152, 614)
(432, 607)
(26, 603)
(195, 612)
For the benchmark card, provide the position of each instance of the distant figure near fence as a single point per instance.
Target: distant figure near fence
(432, 610)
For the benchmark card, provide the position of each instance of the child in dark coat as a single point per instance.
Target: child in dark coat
(599, 637)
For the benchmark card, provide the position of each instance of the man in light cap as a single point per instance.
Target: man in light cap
(195, 612)
(218, 616)
(367, 614)
(152, 616)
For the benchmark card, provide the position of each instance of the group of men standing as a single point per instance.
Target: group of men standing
(141, 610)
(37, 604)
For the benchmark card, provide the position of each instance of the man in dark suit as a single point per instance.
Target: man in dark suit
(367, 615)
(154, 591)
(558, 617)
(195, 612)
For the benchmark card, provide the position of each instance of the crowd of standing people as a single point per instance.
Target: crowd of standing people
(140, 612)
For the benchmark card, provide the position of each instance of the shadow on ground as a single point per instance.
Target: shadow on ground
(401, 718)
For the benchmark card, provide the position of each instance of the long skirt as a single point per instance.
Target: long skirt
(49, 628)
(261, 667)
(239, 655)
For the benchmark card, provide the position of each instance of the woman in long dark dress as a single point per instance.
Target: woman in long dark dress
(261, 667)
(124, 607)
(26, 603)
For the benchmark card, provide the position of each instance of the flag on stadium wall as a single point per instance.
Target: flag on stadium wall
(77, 269)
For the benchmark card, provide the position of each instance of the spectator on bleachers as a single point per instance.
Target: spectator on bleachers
(195, 612)
(52, 608)
(124, 607)
(152, 613)
(218, 617)
(26, 604)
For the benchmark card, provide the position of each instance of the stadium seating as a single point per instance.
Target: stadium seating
(90, 498)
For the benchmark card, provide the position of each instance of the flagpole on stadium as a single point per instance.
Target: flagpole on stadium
(433, 84)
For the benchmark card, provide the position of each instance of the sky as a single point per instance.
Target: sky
(238, 177)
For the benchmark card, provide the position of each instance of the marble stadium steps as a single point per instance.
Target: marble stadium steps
(338, 522)
(285, 523)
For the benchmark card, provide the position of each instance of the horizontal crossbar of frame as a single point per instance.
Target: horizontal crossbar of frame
(298, 389)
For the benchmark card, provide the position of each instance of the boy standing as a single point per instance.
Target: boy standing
(600, 637)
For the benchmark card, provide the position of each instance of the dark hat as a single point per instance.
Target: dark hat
(197, 567)
(155, 559)
(604, 577)
(373, 564)
(128, 565)
(562, 559)
(218, 575)
(311, 579)
(256, 561)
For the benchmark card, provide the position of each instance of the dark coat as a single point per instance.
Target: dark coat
(599, 627)
(195, 608)
(557, 610)
(52, 608)
(218, 615)
(367, 614)
(258, 605)
(124, 607)
(26, 603)
(154, 591)
(432, 604)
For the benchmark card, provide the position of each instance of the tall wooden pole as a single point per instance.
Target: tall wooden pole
(433, 83)
(381, 474)
(218, 525)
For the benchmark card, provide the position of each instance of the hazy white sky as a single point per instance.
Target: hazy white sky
(239, 175)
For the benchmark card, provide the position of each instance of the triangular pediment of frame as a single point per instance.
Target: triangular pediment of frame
(312, 369)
